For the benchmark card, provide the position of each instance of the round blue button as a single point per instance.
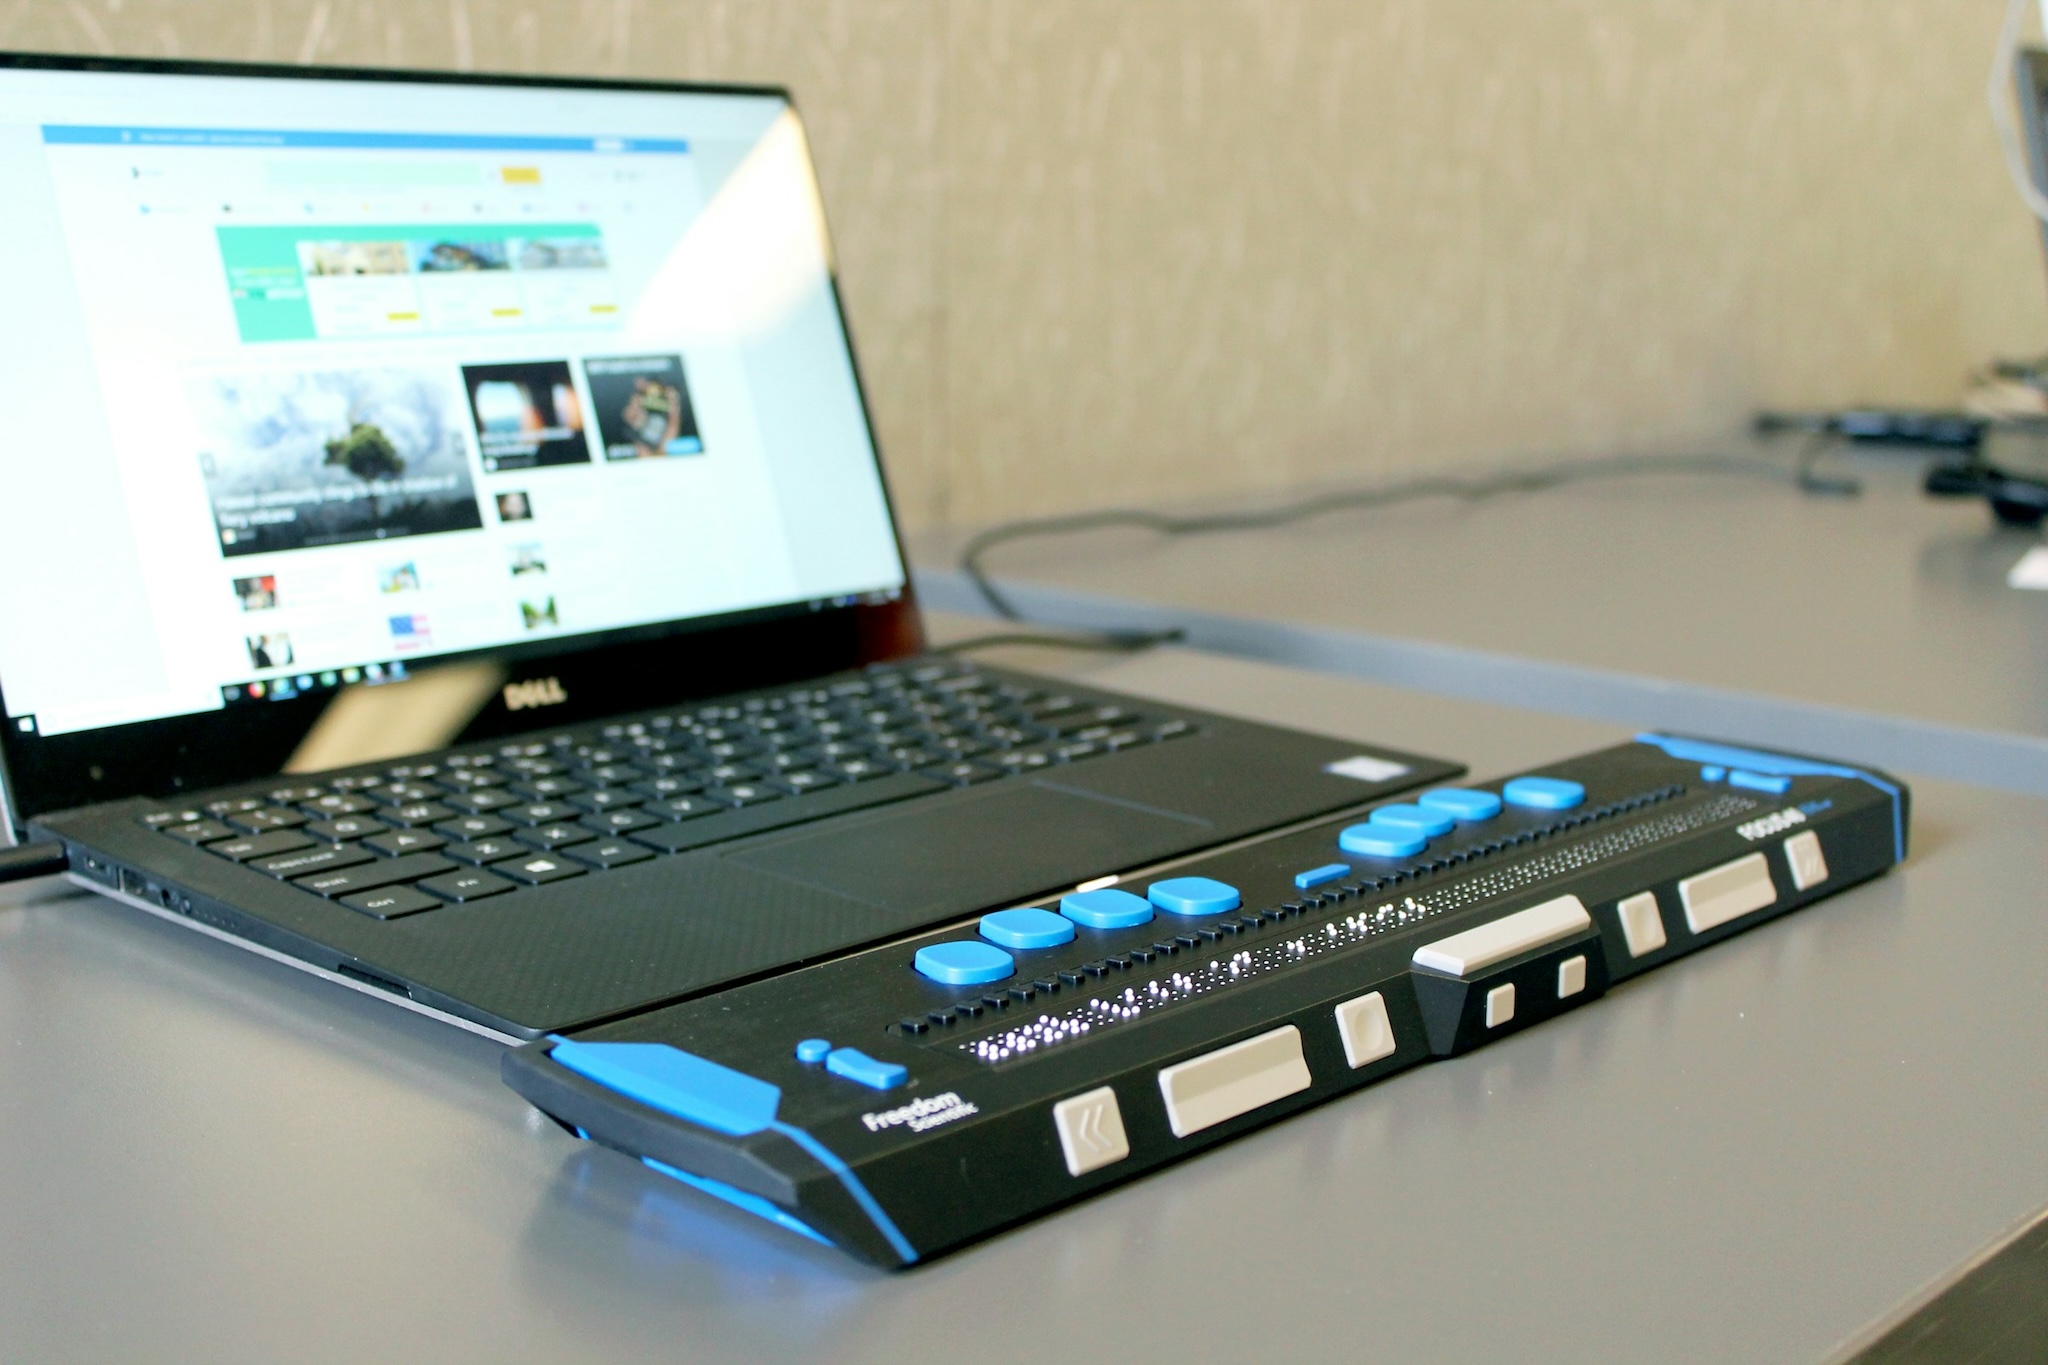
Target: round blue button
(813, 1049)
(1461, 803)
(1026, 928)
(1382, 841)
(1106, 908)
(965, 962)
(1543, 793)
(1421, 819)
(1193, 896)
(1712, 772)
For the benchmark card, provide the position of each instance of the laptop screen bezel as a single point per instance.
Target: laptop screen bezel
(602, 674)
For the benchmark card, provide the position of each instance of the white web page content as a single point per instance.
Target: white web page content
(391, 377)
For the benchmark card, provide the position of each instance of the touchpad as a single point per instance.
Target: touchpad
(997, 844)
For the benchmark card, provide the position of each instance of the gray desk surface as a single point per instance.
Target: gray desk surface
(1733, 606)
(1750, 1156)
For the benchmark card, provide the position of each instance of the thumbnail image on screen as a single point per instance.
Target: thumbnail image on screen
(643, 407)
(294, 460)
(527, 414)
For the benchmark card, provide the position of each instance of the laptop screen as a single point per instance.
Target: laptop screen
(309, 381)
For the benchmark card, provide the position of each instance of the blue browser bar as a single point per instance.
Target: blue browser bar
(109, 135)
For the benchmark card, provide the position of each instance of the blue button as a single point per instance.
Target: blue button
(813, 1049)
(856, 1065)
(1316, 876)
(676, 1082)
(1712, 772)
(1461, 803)
(964, 962)
(1106, 908)
(1027, 928)
(1760, 782)
(1382, 841)
(1428, 823)
(1193, 896)
(1543, 793)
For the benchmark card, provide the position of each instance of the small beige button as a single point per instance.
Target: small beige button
(1091, 1130)
(1571, 977)
(1803, 856)
(1500, 1005)
(1641, 926)
(1367, 1032)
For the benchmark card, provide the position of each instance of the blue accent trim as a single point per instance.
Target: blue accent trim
(855, 1065)
(1316, 876)
(1774, 783)
(826, 1158)
(676, 1082)
(1757, 760)
(740, 1199)
(614, 1058)
(93, 134)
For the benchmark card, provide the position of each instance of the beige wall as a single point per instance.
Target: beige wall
(1106, 250)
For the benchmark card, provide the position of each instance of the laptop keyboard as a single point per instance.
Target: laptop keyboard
(473, 824)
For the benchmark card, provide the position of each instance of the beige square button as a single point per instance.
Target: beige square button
(1500, 1005)
(1571, 977)
(1809, 866)
(1091, 1130)
(1367, 1032)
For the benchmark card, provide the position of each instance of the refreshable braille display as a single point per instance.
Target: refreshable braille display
(902, 1101)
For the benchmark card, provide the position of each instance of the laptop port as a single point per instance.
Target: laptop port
(132, 883)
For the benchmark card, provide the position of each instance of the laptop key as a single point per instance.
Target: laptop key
(540, 870)
(481, 800)
(315, 859)
(608, 853)
(415, 813)
(473, 826)
(604, 799)
(346, 828)
(481, 851)
(292, 796)
(375, 873)
(540, 813)
(801, 780)
(240, 805)
(963, 774)
(250, 846)
(390, 902)
(397, 842)
(199, 831)
(469, 885)
(554, 836)
(857, 770)
(619, 822)
(685, 807)
(667, 785)
(335, 804)
(266, 818)
(399, 793)
(546, 788)
(743, 794)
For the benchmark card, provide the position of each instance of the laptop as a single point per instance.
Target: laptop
(447, 552)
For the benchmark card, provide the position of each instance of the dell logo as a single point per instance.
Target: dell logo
(538, 692)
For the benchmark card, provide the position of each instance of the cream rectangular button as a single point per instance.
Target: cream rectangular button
(1367, 1032)
(1091, 1131)
(1641, 925)
(1477, 949)
(1809, 865)
(1233, 1080)
(1728, 892)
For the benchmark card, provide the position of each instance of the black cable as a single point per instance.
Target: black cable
(39, 859)
(1532, 480)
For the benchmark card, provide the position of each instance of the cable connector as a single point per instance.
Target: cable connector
(41, 859)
